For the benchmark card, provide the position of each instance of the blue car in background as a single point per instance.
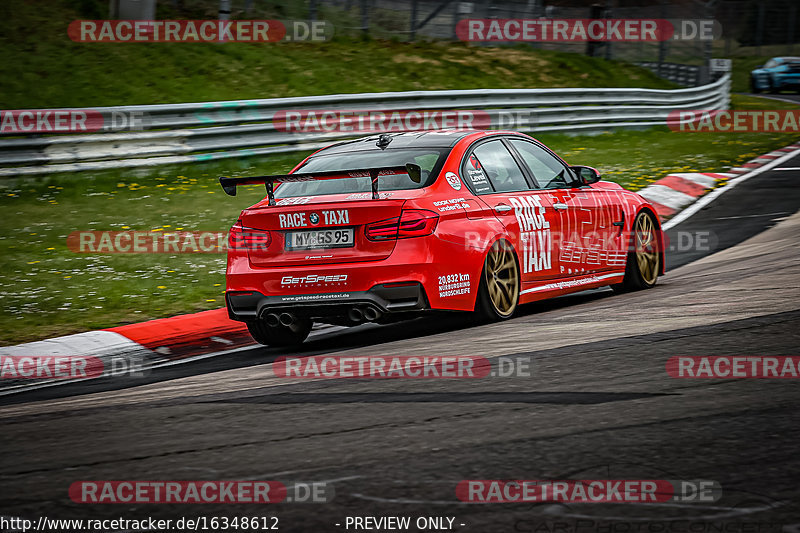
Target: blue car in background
(776, 74)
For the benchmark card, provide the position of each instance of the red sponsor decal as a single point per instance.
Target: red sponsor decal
(567, 491)
(565, 30)
(727, 120)
(176, 31)
(155, 242)
(25, 121)
(732, 367)
(371, 121)
(49, 367)
(173, 492)
(386, 367)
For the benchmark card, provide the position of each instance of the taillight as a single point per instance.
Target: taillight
(382, 230)
(410, 223)
(241, 238)
(417, 223)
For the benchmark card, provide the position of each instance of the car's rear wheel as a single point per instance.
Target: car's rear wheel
(498, 292)
(644, 258)
(280, 335)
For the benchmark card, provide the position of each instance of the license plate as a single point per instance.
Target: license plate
(323, 238)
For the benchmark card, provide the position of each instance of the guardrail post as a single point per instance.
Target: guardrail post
(364, 19)
(413, 23)
(224, 9)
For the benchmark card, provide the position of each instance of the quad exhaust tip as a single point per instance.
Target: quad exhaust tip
(356, 315)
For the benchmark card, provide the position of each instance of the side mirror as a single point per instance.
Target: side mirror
(586, 175)
(414, 172)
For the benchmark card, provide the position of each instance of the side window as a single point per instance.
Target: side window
(473, 171)
(771, 63)
(491, 166)
(548, 171)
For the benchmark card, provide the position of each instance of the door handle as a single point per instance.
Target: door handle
(502, 208)
(560, 207)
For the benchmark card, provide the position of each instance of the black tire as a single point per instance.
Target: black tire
(497, 276)
(280, 335)
(753, 87)
(639, 276)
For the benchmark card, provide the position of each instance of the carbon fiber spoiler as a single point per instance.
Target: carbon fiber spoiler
(229, 184)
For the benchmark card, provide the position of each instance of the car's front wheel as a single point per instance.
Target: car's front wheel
(498, 291)
(644, 258)
(773, 88)
(754, 88)
(280, 335)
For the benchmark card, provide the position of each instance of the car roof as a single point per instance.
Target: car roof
(414, 139)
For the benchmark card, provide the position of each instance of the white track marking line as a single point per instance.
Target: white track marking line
(731, 511)
(754, 216)
(710, 197)
(778, 98)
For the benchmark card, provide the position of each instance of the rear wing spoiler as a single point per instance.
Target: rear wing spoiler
(229, 184)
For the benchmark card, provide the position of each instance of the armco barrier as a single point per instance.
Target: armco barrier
(193, 132)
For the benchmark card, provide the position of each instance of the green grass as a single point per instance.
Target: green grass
(48, 290)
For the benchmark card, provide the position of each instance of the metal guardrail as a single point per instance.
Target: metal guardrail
(194, 132)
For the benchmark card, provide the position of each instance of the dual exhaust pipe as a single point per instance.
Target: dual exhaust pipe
(283, 319)
(359, 314)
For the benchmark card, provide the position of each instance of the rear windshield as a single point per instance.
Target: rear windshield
(430, 161)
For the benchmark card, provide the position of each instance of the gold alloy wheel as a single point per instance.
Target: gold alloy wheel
(502, 279)
(646, 249)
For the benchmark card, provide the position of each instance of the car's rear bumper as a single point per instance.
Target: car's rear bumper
(386, 299)
(420, 274)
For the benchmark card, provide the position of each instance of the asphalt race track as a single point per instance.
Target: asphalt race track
(598, 405)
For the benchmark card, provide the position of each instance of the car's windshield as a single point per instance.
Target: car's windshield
(430, 161)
